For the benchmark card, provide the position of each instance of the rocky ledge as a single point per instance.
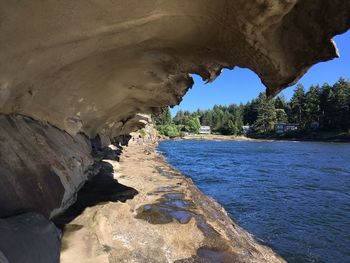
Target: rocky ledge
(152, 213)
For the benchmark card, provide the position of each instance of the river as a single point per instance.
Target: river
(292, 196)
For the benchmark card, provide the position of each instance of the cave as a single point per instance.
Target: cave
(74, 70)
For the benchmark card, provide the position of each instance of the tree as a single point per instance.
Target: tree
(328, 105)
(281, 103)
(170, 130)
(232, 128)
(194, 125)
(266, 119)
(281, 116)
(250, 113)
(297, 105)
(179, 117)
(312, 105)
(163, 118)
(341, 91)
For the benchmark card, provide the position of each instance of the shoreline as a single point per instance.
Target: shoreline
(267, 139)
(169, 220)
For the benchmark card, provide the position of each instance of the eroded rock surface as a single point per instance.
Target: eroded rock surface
(29, 238)
(41, 167)
(169, 220)
(91, 65)
(70, 68)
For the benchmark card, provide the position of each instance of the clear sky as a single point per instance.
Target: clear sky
(241, 85)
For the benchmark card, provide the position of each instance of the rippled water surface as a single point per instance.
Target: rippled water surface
(293, 196)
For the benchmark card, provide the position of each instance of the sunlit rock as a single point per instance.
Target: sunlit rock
(91, 65)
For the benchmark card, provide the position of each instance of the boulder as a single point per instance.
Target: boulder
(29, 238)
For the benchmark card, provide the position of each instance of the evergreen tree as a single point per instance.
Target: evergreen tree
(297, 105)
(312, 108)
(328, 105)
(266, 119)
(163, 118)
(281, 116)
(341, 91)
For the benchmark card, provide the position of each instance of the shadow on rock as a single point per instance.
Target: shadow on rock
(29, 238)
(98, 189)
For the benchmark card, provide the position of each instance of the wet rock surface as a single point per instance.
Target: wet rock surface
(169, 220)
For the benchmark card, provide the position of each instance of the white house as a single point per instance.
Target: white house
(246, 129)
(204, 130)
(281, 128)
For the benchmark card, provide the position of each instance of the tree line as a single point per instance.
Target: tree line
(326, 105)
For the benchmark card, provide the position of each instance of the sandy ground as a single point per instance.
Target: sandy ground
(169, 220)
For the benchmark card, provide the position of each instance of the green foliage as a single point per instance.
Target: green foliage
(194, 124)
(266, 118)
(164, 123)
(297, 104)
(170, 130)
(163, 118)
(327, 105)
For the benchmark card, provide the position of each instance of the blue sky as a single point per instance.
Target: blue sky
(241, 85)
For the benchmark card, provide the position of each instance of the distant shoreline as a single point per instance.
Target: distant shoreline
(215, 137)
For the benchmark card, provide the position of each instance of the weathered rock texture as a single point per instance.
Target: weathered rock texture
(91, 65)
(29, 238)
(41, 167)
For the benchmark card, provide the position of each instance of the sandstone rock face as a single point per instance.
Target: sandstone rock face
(41, 167)
(91, 65)
(29, 238)
(88, 67)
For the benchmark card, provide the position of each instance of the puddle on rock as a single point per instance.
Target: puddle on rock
(153, 214)
(210, 255)
(166, 189)
(170, 206)
(174, 196)
(161, 190)
(166, 172)
(183, 217)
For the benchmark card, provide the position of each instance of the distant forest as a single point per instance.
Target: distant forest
(327, 105)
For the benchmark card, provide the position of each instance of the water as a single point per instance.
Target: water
(293, 196)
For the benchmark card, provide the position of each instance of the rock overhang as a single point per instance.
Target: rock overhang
(90, 66)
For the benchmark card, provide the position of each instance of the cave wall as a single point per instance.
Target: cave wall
(41, 167)
(87, 67)
(90, 65)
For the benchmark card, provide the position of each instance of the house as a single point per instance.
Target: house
(246, 129)
(281, 128)
(204, 130)
(291, 127)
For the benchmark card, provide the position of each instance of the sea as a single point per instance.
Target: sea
(292, 196)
